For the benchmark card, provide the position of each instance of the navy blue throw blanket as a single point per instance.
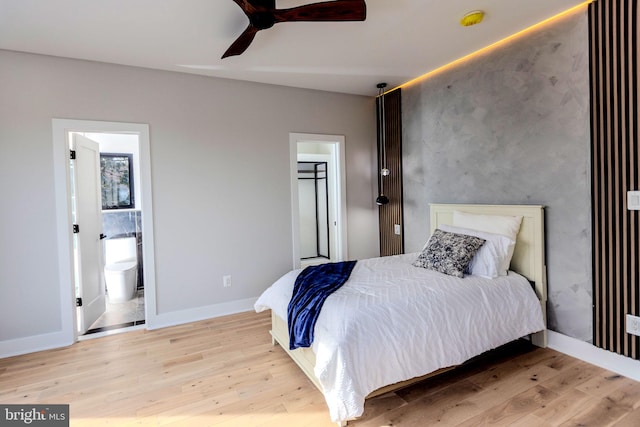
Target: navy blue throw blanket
(313, 285)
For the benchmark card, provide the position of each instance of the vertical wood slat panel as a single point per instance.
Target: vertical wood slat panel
(609, 184)
(594, 78)
(626, 343)
(634, 115)
(613, 55)
(392, 213)
(614, 62)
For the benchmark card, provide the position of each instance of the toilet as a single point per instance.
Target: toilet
(121, 268)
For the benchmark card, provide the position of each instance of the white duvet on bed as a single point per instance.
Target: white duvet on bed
(392, 321)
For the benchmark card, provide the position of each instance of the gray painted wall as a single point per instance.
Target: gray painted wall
(220, 170)
(512, 126)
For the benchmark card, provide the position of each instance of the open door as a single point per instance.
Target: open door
(87, 220)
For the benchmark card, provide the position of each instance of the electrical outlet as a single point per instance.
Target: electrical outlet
(226, 281)
(633, 324)
(633, 200)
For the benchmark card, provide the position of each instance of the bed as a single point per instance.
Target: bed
(393, 324)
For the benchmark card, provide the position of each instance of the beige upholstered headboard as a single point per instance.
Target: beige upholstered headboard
(528, 257)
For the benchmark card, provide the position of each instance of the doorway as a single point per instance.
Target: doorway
(121, 235)
(313, 198)
(319, 219)
(124, 141)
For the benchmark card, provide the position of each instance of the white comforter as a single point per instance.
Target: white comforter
(391, 322)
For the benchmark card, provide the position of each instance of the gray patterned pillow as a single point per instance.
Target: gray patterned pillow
(449, 253)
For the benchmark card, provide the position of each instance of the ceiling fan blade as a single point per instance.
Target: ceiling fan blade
(246, 6)
(266, 5)
(242, 42)
(338, 10)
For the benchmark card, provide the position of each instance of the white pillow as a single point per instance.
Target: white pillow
(506, 225)
(493, 258)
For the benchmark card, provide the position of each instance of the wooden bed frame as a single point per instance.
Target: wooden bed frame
(528, 260)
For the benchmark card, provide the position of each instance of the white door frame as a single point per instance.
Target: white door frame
(61, 128)
(336, 142)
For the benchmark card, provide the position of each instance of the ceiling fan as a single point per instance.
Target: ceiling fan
(263, 14)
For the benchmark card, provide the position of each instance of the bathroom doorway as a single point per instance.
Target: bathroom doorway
(318, 201)
(125, 217)
(122, 246)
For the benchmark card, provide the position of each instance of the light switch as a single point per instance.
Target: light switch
(633, 200)
(396, 229)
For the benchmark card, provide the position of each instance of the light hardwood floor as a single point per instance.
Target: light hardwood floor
(225, 372)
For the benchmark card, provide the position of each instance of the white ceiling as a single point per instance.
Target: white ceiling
(399, 40)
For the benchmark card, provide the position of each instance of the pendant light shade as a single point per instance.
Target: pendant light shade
(382, 150)
(382, 200)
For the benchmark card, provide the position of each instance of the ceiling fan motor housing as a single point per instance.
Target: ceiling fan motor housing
(262, 20)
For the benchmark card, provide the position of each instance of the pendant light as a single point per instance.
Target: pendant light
(382, 153)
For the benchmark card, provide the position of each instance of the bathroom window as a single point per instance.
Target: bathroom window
(116, 176)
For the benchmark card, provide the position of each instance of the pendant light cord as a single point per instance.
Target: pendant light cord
(382, 149)
(384, 133)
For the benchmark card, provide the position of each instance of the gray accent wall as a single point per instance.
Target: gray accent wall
(512, 127)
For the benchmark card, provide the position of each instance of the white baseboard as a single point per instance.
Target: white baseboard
(596, 356)
(200, 313)
(18, 346)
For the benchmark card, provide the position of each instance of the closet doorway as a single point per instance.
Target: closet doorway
(313, 199)
(318, 203)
